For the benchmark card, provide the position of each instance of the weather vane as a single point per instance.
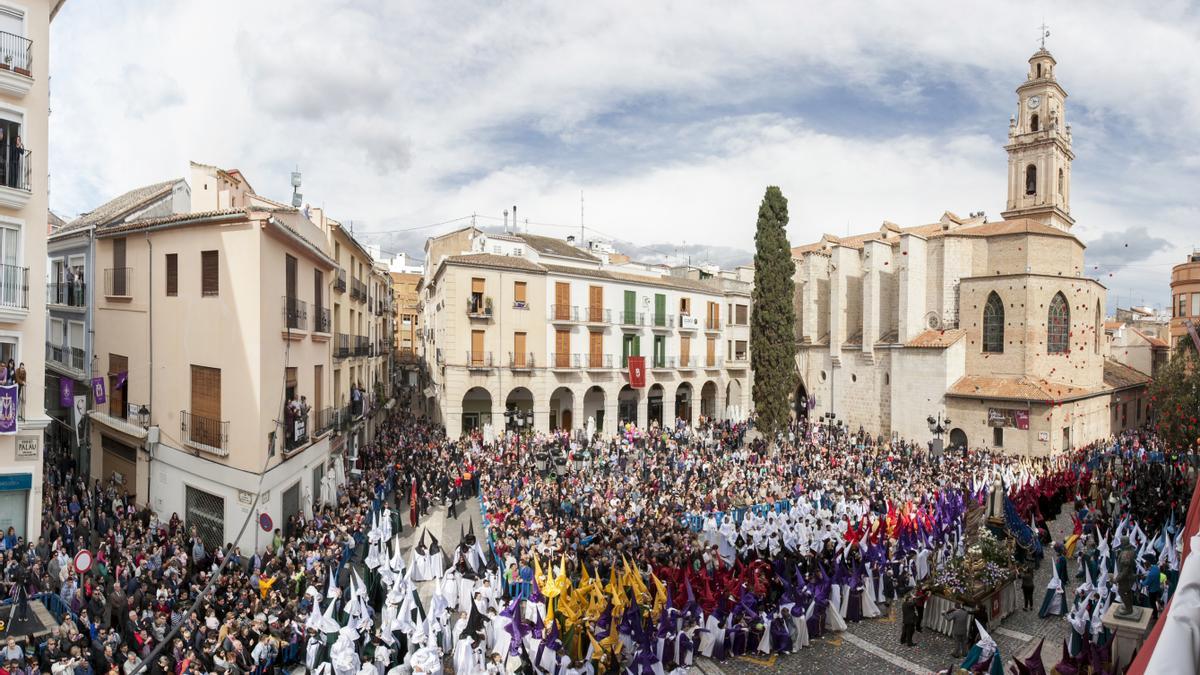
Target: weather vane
(1045, 31)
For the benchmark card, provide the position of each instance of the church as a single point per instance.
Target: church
(991, 328)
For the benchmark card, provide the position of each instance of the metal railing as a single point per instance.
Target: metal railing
(295, 429)
(712, 324)
(565, 360)
(339, 282)
(321, 320)
(342, 348)
(118, 282)
(714, 362)
(14, 286)
(358, 290)
(15, 167)
(362, 345)
(599, 361)
(325, 419)
(520, 360)
(16, 53)
(662, 320)
(479, 359)
(690, 361)
(663, 362)
(564, 313)
(295, 313)
(631, 318)
(478, 307)
(599, 315)
(204, 433)
(67, 293)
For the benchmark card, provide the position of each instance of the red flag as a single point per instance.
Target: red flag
(412, 504)
(637, 372)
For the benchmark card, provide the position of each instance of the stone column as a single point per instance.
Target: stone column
(911, 278)
(1128, 633)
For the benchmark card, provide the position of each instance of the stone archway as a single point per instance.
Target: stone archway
(708, 400)
(800, 403)
(958, 438)
(733, 401)
(562, 409)
(593, 407)
(683, 402)
(654, 404)
(627, 405)
(476, 409)
(518, 408)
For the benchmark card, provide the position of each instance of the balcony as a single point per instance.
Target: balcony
(689, 323)
(479, 360)
(339, 282)
(358, 290)
(599, 361)
(520, 361)
(631, 320)
(662, 322)
(295, 430)
(204, 434)
(15, 183)
(295, 317)
(663, 363)
(67, 294)
(738, 361)
(713, 362)
(598, 316)
(712, 325)
(321, 320)
(565, 361)
(71, 358)
(689, 362)
(342, 349)
(325, 419)
(118, 283)
(362, 345)
(16, 64)
(564, 314)
(479, 307)
(14, 291)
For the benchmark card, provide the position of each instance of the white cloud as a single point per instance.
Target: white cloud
(671, 117)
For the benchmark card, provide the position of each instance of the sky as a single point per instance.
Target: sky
(669, 119)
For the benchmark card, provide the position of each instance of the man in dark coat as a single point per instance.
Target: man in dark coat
(909, 616)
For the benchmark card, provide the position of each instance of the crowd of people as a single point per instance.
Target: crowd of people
(642, 549)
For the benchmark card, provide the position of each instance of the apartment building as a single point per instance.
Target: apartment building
(407, 340)
(24, 110)
(70, 293)
(213, 340)
(521, 329)
(1185, 298)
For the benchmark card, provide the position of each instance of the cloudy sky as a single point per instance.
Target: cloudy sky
(671, 118)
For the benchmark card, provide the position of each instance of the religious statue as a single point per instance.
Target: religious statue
(1126, 580)
(996, 500)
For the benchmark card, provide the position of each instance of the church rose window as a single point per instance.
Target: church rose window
(1058, 323)
(993, 325)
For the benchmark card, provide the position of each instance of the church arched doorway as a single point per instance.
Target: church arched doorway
(800, 402)
(958, 438)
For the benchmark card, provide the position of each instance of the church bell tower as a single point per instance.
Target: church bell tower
(1039, 149)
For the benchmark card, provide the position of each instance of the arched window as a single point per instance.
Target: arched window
(1060, 182)
(1058, 325)
(993, 325)
(1033, 122)
(1039, 70)
(1031, 180)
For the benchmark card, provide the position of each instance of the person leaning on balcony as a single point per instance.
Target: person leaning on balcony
(15, 155)
(19, 378)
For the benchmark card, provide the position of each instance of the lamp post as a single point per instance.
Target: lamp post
(937, 427)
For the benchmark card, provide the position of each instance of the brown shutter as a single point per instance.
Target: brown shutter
(209, 273)
(562, 348)
(519, 292)
(685, 349)
(172, 274)
(319, 292)
(596, 303)
(519, 355)
(562, 299)
(477, 285)
(318, 388)
(712, 352)
(476, 346)
(206, 406)
(596, 348)
(290, 268)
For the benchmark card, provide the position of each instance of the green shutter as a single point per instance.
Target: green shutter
(660, 309)
(637, 345)
(630, 308)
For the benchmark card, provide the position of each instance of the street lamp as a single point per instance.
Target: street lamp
(143, 414)
(937, 427)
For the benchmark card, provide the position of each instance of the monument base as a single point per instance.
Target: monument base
(1128, 633)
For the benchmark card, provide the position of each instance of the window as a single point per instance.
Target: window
(993, 325)
(660, 351)
(1031, 180)
(1195, 304)
(1033, 122)
(685, 350)
(173, 274)
(739, 350)
(204, 427)
(1039, 70)
(1060, 182)
(742, 311)
(685, 306)
(519, 355)
(1182, 304)
(1099, 329)
(519, 294)
(209, 273)
(562, 348)
(997, 437)
(120, 273)
(1058, 325)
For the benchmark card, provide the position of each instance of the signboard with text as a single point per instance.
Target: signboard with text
(1008, 417)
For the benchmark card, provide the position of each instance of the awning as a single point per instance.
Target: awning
(16, 481)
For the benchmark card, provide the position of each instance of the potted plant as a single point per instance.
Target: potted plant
(7, 62)
(487, 306)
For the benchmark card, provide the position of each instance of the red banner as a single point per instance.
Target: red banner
(637, 372)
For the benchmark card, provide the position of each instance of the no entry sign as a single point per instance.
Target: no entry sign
(83, 561)
(265, 522)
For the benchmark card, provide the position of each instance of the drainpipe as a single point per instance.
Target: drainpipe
(150, 329)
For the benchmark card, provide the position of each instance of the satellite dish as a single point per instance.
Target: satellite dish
(933, 321)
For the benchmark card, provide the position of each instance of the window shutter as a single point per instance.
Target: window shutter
(519, 291)
(477, 285)
(209, 273)
(172, 274)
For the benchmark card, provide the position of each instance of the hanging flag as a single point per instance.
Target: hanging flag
(121, 378)
(80, 414)
(98, 391)
(66, 392)
(412, 504)
(637, 372)
(9, 397)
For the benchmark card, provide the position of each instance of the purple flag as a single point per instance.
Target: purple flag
(8, 409)
(121, 377)
(98, 390)
(66, 392)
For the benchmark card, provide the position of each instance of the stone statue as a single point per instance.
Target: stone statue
(996, 500)
(1126, 579)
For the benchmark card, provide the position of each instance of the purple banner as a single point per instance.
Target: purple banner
(66, 392)
(121, 377)
(98, 391)
(8, 409)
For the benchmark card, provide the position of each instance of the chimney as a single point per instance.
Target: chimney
(506, 220)
(571, 239)
(514, 218)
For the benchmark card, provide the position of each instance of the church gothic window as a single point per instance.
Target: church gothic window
(1058, 325)
(993, 325)
(1031, 180)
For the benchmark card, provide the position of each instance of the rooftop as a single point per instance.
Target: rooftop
(936, 339)
(949, 226)
(553, 246)
(120, 207)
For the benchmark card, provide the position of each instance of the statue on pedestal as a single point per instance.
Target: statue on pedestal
(1126, 580)
(996, 500)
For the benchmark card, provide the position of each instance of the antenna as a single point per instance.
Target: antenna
(1045, 32)
(297, 197)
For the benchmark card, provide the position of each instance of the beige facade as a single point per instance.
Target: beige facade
(991, 324)
(530, 328)
(24, 106)
(1129, 345)
(407, 341)
(1185, 298)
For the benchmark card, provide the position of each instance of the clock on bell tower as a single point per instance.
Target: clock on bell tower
(1039, 149)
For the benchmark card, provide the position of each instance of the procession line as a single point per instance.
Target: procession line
(891, 658)
(1025, 637)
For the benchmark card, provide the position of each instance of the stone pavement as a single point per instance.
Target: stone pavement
(873, 646)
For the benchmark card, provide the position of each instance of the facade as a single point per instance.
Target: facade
(407, 341)
(70, 289)
(213, 339)
(522, 329)
(1185, 298)
(989, 324)
(24, 214)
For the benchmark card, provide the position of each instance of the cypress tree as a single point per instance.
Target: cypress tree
(772, 325)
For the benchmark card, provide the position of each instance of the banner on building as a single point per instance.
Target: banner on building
(121, 378)
(66, 392)
(1008, 417)
(9, 402)
(80, 414)
(637, 372)
(98, 391)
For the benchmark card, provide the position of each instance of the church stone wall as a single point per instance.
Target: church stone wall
(919, 379)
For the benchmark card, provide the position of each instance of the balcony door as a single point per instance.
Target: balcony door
(118, 385)
(562, 300)
(562, 348)
(596, 304)
(476, 347)
(205, 425)
(685, 350)
(595, 348)
(13, 278)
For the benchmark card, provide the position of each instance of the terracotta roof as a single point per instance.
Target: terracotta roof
(135, 225)
(54, 220)
(936, 339)
(668, 281)
(1113, 325)
(1154, 342)
(952, 228)
(1120, 376)
(1015, 388)
(558, 247)
(502, 262)
(120, 207)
